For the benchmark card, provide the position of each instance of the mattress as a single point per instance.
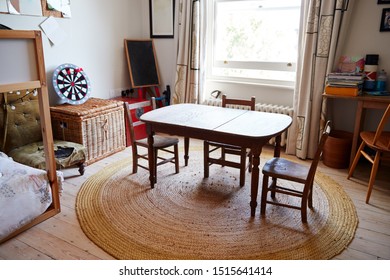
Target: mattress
(25, 194)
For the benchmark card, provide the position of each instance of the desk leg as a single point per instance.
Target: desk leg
(255, 178)
(186, 149)
(358, 124)
(152, 167)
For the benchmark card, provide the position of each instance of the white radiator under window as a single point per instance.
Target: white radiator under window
(261, 107)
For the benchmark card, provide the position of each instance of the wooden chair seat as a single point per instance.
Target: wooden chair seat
(160, 142)
(283, 169)
(210, 147)
(287, 170)
(379, 142)
(382, 143)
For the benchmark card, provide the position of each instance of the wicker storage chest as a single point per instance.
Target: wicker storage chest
(98, 124)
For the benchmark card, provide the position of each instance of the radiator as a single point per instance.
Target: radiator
(261, 107)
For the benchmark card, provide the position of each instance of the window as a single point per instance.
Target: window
(253, 41)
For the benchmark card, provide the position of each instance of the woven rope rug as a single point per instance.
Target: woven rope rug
(189, 217)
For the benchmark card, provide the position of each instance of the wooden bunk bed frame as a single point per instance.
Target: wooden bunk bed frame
(46, 128)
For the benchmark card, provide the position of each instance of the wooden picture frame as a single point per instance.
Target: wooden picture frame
(385, 20)
(383, 1)
(162, 17)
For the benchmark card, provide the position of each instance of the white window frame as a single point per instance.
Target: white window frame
(256, 65)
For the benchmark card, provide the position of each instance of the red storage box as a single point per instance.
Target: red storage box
(137, 107)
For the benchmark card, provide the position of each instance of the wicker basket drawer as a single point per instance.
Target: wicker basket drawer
(98, 124)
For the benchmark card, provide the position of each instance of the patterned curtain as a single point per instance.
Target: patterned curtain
(190, 52)
(323, 24)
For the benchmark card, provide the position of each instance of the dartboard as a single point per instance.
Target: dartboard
(71, 83)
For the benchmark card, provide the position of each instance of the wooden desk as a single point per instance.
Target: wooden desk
(250, 129)
(363, 102)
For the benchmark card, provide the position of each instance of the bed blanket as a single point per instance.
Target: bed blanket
(25, 194)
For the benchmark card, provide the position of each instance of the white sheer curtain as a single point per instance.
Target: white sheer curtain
(189, 69)
(323, 24)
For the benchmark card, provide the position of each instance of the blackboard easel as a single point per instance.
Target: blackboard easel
(142, 64)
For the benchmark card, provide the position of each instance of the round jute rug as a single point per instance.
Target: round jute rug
(189, 217)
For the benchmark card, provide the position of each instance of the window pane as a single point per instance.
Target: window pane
(257, 31)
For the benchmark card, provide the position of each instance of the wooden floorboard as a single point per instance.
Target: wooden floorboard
(61, 237)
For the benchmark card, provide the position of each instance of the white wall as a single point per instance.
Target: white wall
(95, 41)
(363, 38)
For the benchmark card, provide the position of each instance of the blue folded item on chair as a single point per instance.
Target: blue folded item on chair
(63, 152)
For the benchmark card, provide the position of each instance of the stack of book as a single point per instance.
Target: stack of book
(349, 84)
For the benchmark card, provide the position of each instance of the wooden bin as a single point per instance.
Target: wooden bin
(337, 149)
(98, 124)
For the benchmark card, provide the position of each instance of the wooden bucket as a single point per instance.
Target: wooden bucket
(337, 149)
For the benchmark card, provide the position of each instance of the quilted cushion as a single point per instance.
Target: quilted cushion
(24, 125)
(33, 154)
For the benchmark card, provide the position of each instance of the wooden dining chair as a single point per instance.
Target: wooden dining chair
(162, 143)
(379, 142)
(279, 168)
(210, 147)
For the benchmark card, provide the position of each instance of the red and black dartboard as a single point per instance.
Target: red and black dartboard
(71, 83)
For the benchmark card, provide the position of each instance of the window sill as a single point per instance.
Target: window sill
(251, 83)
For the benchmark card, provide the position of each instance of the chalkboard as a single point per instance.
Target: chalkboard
(141, 60)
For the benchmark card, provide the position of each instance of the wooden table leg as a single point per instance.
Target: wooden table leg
(255, 178)
(152, 168)
(186, 149)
